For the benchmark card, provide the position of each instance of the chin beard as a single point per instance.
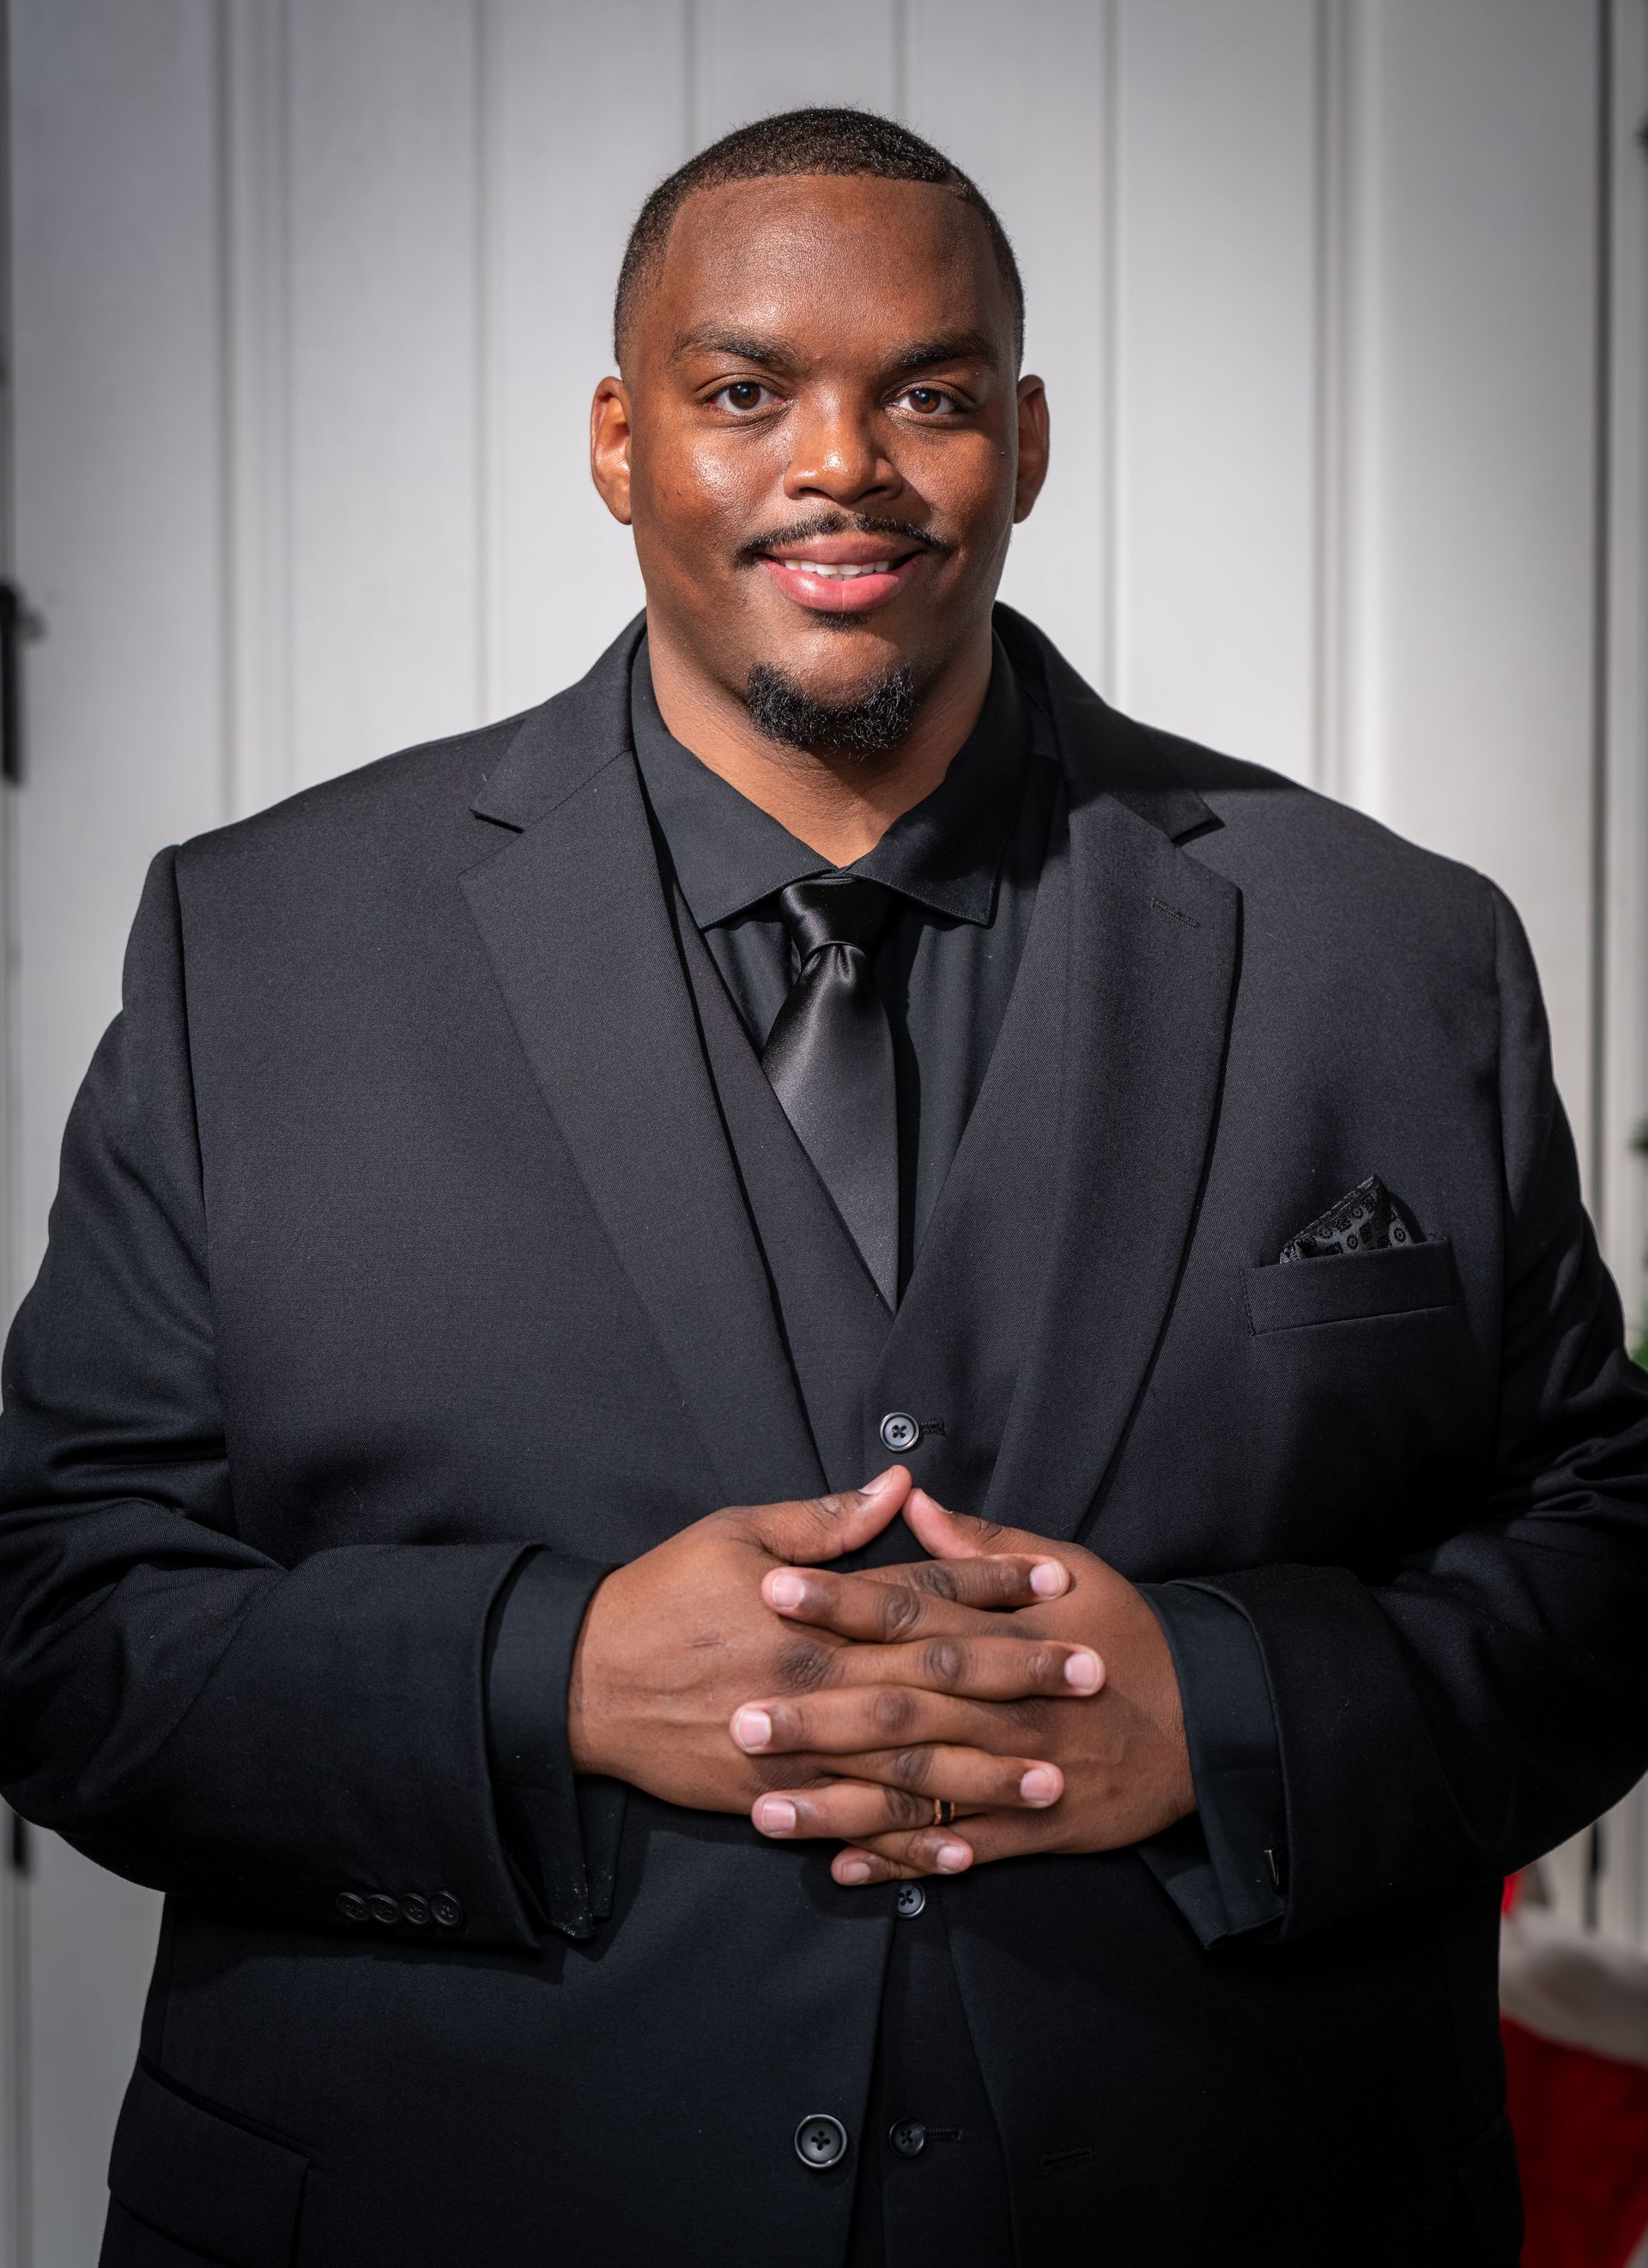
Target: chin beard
(872, 725)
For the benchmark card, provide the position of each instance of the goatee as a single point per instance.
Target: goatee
(876, 722)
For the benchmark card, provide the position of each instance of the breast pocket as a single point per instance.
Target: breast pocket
(1299, 1294)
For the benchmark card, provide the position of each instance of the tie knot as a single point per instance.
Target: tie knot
(836, 909)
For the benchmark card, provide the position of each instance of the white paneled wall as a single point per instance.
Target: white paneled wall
(1348, 476)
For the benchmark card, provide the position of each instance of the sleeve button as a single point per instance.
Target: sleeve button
(414, 1910)
(352, 1906)
(446, 1910)
(383, 1908)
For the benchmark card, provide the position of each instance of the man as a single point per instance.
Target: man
(828, 1042)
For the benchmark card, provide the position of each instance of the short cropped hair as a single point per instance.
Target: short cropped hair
(803, 142)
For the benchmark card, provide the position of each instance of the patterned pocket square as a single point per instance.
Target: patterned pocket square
(1365, 1221)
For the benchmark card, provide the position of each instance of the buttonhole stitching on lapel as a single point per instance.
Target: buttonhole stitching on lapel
(1189, 920)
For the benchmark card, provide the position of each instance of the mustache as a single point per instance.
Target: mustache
(843, 523)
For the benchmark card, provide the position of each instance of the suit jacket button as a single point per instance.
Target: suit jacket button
(414, 1910)
(446, 1910)
(908, 2138)
(900, 1431)
(821, 2141)
(383, 1908)
(352, 1906)
(911, 1899)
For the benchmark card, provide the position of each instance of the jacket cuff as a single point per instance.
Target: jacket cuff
(1224, 1869)
(529, 1666)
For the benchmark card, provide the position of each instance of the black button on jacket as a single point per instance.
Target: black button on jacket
(399, 1243)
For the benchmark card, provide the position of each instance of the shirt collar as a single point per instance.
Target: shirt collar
(944, 853)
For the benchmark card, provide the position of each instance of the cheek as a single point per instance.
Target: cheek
(705, 481)
(967, 481)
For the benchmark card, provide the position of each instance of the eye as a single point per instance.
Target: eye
(744, 393)
(928, 401)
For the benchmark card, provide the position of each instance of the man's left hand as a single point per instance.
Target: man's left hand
(1118, 1768)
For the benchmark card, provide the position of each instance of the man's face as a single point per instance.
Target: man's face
(821, 439)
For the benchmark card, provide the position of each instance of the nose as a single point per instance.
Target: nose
(837, 451)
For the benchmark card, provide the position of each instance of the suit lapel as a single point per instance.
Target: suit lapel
(1153, 943)
(579, 934)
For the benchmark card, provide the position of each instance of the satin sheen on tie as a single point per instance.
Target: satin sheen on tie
(829, 1059)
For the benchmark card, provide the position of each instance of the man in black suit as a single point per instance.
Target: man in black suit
(827, 1041)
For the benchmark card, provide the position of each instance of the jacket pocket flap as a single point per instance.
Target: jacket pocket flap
(1395, 1281)
(197, 2176)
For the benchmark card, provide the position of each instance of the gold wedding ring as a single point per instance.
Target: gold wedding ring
(943, 1811)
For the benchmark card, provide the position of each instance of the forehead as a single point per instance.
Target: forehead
(848, 255)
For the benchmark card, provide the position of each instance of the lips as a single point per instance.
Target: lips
(838, 586)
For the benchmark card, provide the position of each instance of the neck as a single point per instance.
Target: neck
(840, 806)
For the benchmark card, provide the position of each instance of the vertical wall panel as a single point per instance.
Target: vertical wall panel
(1217, 338)
(745, 64)
(1031, 129)
(385, 448)
(563, 192)
(118, 437)
(117, 501)
(1624, 1222)
(1469, 657)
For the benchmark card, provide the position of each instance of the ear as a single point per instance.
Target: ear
(1034, 445)
(610, 433)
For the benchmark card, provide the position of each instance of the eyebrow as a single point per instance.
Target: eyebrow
(957, 346)
(710, 338)
(771, 354)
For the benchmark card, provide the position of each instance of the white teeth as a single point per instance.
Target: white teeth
(819, 567)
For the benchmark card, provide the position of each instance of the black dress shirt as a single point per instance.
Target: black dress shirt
(965, 864)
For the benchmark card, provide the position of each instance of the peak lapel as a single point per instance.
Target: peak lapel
(579, 935)
(1154, 939)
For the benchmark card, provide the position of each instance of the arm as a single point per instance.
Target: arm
(185, 1711)
(1448, 1723)
(1492, 1698)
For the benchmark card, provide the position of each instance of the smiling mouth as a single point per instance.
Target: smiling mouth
(823, 567)
(839, 587)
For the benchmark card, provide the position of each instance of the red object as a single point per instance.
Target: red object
(1581, 2127)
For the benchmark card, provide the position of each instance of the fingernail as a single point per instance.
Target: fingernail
(752, 1728)
(1049, 1579)
(775, 1817)
(881, 1481)
(1083, 1671)
(1039, 1784)
(952, 1858)
(853, 1870)
(785, 1589)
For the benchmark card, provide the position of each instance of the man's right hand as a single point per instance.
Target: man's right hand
(676, 1640)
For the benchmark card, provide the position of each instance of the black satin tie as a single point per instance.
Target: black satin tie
(830, 1058)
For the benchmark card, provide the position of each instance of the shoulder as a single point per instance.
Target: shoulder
(1312, 866)
(418, 796)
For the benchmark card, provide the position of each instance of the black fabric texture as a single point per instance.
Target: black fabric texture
(529, 1663)
(829, 1059)
(398, 1235)
(1230, 1728)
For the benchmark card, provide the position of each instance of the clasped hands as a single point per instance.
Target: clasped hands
(1025, 1682)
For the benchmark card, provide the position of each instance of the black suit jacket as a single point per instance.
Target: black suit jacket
(399, 1233)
